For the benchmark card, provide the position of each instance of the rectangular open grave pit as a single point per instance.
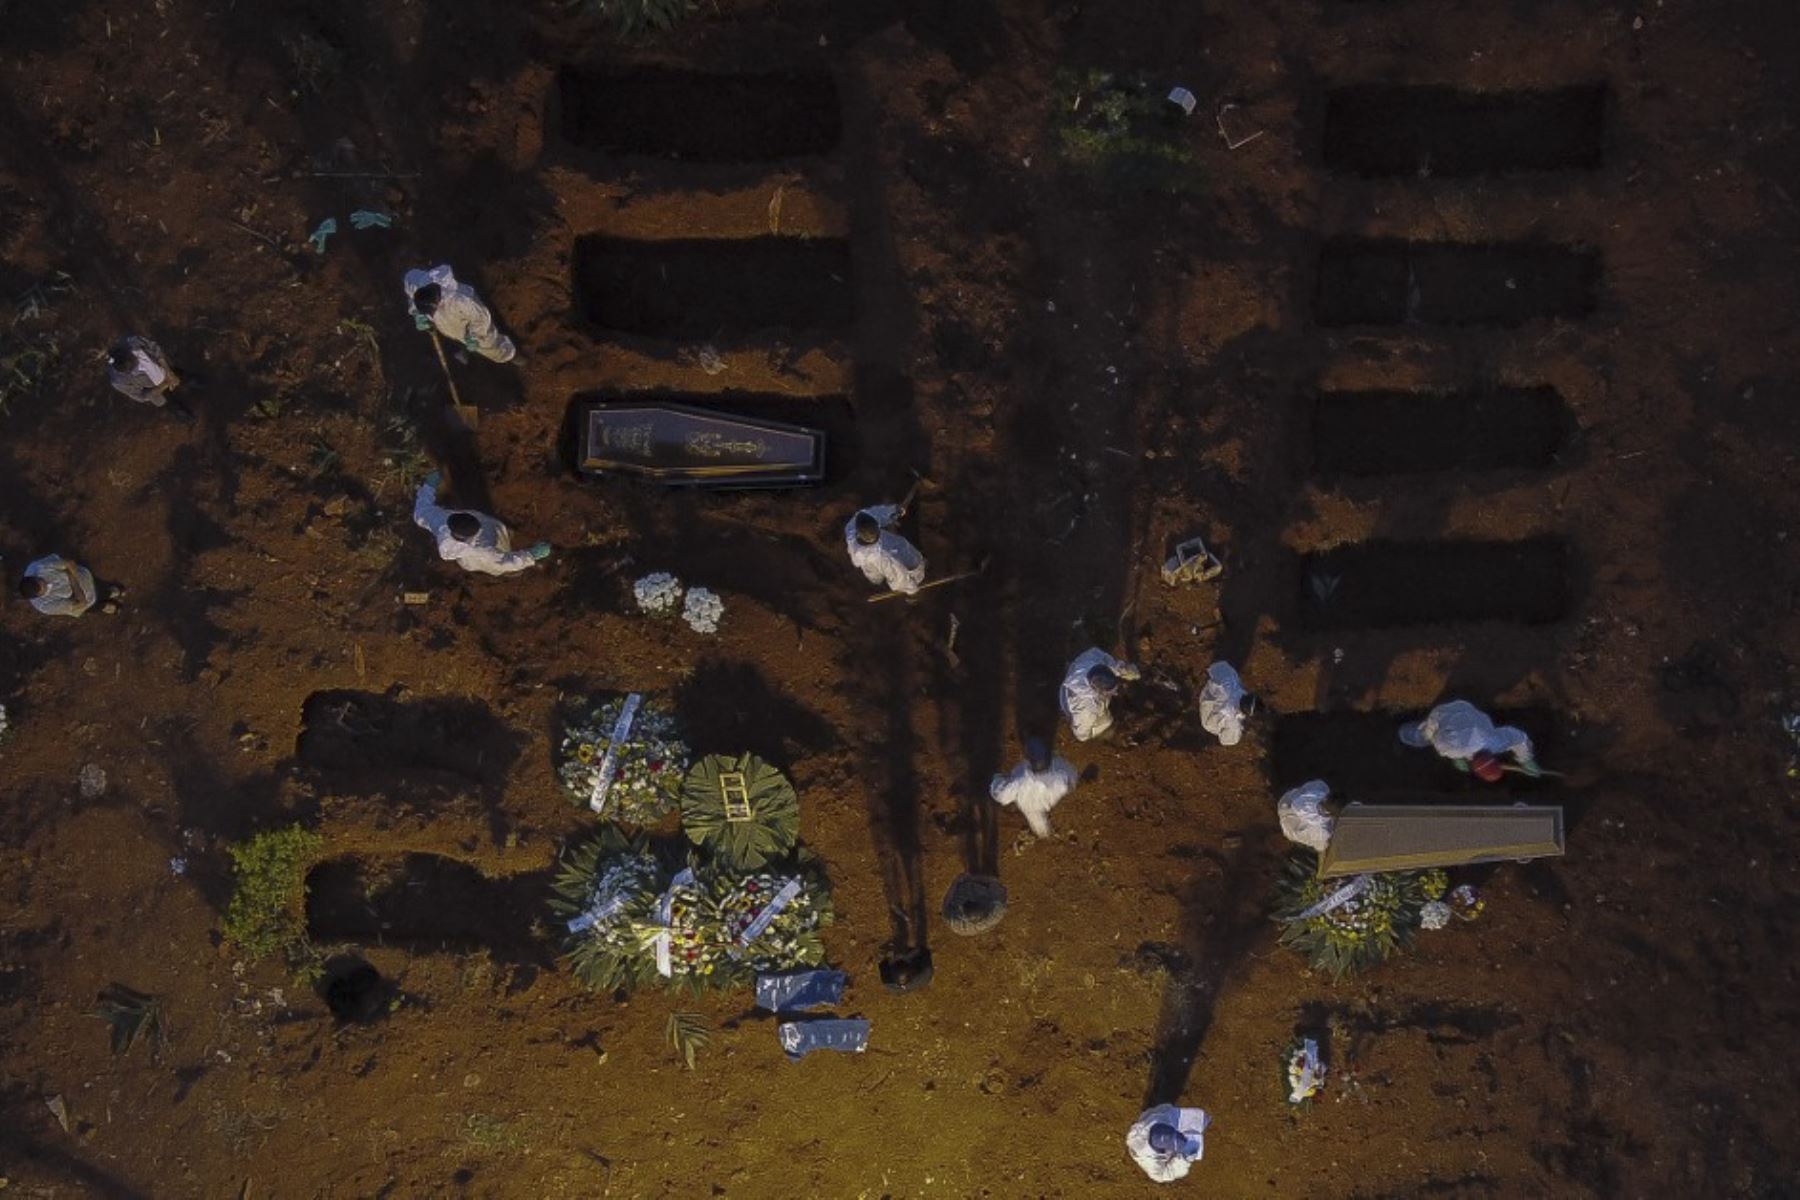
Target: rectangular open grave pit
(422, 902)
(699, 116)
(715, 289)
(1361, 756)
(1384, 585)
(1366, 281)
(1383, 129)
(1372, 433)
(366, 738)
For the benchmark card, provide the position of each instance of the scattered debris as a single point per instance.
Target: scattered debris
(59, 1110)
(801, 1038)
(1234, 127)
(1183, 99)
(415, 598)
(133, 1015)
(92, 782)
(364, 218)
(317, 237)
(688, 1034)
(1192, 562)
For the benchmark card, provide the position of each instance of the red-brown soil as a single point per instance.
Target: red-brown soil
(1084, 378)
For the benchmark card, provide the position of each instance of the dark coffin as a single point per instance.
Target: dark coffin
(679, 444)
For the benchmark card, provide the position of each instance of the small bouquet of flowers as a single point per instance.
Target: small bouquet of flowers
(657, 594)
(703, 610)
(649, 767)
(1303, 1071)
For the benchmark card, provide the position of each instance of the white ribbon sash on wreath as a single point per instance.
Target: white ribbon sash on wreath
(610, 897)
(609, 763)
(1337, 899)
(766, 917)
(665, 917)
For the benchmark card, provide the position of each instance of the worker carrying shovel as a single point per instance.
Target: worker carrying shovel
(1468, 738)
(440, 301)
(881, 553)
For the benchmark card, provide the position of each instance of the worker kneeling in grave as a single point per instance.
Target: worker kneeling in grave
(1468, 738)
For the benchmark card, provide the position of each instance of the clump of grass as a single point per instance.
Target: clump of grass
(1115, 130)
(265, 914)
(633, 17)
(491, 1134)
(688, 1035)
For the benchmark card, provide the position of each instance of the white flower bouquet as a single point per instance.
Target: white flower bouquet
(703, 610)
(658, 594)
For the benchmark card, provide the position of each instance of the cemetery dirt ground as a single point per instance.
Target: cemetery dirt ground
(1083, 377)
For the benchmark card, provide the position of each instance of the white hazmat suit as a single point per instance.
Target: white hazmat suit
(1459, 731)
(1221, 704)
(460, 315)
(1035, 793)
(891, 559)
(1163, 1167)
(1090, 712)
(1304, 820)
(489, 552)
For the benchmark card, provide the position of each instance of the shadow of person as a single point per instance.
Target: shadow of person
(1222, 918)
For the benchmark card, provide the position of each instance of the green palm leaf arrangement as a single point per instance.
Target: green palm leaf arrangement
(1363, 931)
(741, 809)
(605, 891)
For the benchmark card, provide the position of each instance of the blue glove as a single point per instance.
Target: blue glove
(362, 218)
(540, 552)
(326, 228)
(421, 321)
(432, 480)
(470, 344)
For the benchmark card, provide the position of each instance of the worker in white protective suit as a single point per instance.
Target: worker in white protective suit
(1466, 736)
(1304, 819)
(138, 369)
(1087, 691)
(59, 587)
(1166, 1141)
(880, 553)
(473, 540)
(439, 301)
(1222, 704)
(1035, 786)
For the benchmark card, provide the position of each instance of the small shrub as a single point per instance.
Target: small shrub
(265, 916)
(632, 17)
(1116, 131)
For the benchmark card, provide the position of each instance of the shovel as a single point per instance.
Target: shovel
(464, 415)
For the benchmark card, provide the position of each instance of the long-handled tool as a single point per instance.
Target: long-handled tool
(468, 415)
(933, 584)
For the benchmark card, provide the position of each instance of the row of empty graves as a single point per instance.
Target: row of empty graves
(710, 296)
(1384, 438)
